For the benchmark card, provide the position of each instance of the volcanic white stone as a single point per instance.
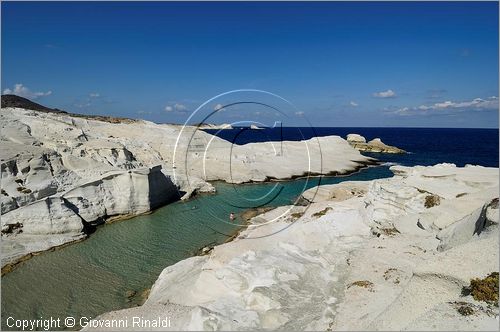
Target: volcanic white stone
(97, 168)
(335, 266)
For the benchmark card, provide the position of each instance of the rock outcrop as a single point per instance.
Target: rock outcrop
(257, 162)
(215, 126)
(375, 145)
(352, 260)
(355, 138)
(66, 217)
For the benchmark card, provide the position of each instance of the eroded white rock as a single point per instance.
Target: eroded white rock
(356, 138)
(84, 161)
(375, 145)
(325, 269)
(117, 193)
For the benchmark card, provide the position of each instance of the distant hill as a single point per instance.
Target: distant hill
(20, 102)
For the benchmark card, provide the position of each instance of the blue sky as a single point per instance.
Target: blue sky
(415, 64)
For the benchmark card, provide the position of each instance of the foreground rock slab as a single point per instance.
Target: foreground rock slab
(351, 260)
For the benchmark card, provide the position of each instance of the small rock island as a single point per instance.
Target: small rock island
(375, 145)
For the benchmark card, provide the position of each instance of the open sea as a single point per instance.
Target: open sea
(426, 146)
(94, 276)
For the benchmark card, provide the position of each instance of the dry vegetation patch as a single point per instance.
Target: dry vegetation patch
(485, 289)
(432, 200)
(389, 231)
(363, 284)
(322, 212)
(297, 215)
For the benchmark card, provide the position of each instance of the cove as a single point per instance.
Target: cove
(119, 262)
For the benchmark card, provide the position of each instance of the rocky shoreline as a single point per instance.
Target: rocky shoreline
(388, 254)
(63, 174)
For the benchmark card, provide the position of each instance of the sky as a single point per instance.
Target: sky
(364, 64)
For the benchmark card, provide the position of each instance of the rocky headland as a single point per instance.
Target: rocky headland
(418, 251)
(62, 174)
(375, 145)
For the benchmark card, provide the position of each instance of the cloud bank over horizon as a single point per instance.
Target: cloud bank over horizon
(477, 104)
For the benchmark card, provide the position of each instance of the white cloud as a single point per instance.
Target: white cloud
(218, 107)
(299, 113)
(385, 94)
(94, 95)
(448, 106)
(23, 91)
(353, 104)
(180, 107)
(176, 107)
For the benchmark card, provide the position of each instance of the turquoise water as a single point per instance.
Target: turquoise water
(94, 276)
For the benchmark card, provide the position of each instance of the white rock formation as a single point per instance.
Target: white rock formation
(355, 138)
(336, 192)
(255, 127)
(65, 216)
(216, 159)
(375, 145)
(349, 261)
(215, 126)
(61, 173)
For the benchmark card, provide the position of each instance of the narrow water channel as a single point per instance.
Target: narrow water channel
(116, 264)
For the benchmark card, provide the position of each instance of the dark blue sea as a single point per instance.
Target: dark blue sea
(425, 146)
